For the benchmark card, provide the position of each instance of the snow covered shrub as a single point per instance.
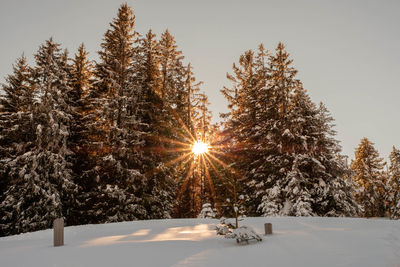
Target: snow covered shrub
(207, 211)
(241, 234)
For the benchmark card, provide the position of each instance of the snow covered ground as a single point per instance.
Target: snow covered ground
(192, 242)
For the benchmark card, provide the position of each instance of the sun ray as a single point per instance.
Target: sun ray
(186, 180)
(175, 114)
(217, 172)
(186, 138)
(173, 161)
(169, 163)
(214, 167)
(210, 183)
(223, 164)
(214, 151)
(172, 150)
(218, 146)
(172, 141)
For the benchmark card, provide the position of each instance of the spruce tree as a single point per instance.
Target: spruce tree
(154, 126)
(42, 187)
(118, 188)
(80, 140)
(16, 132)
(369, 179)
(178, 91)
(192, 101)
(173, 91)
(393, 194)
(172, 70)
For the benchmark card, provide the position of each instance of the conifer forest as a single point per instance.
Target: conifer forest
(130, 137)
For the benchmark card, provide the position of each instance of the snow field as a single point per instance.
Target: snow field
(301, 241)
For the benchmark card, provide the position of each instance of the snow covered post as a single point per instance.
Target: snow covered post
(58, 226)
(268, 228)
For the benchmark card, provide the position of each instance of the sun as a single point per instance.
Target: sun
(199, 148)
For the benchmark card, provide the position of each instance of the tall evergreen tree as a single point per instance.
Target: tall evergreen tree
(16, 132)
(369, 179)
(178, 91)
(42, 187)
(173, 92)
(82, 79)
(191, 103)
(80, 140)
(154, 126)
(119, 184)
(393, 194)
(172, 70)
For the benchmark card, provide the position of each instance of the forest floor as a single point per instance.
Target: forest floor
(306, 241)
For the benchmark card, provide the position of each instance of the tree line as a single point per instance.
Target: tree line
(110, 141)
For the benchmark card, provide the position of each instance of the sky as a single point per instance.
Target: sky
(347, 52)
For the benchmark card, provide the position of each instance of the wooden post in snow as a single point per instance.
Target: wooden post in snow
(268, 228)
(58, 226)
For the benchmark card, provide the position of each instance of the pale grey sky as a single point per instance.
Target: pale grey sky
(347, 52)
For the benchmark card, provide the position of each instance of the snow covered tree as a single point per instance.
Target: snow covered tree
(393, 194)
(16, 132)
(178, 91)
(207, 212)
(369, 179)
(173, 90)
(117, 183)
(289, 158)
(244, 113)
(155, 123)
(82, 79)
(18, 90)
(172, 70)
(80, 139)
(42, 187)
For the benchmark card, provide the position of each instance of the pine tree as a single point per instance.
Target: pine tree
(82, 85)
(172, 70)
(18, 90)
(369, 179)
(393, 195)
(243, 112)
(173, 91)
(154, 125)
(289, 158)
(335, 198)
(16, 130)
(80, 140)
(42, 187)
(179, 93)
(190, 114)
(16, 133)
(117, 180)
